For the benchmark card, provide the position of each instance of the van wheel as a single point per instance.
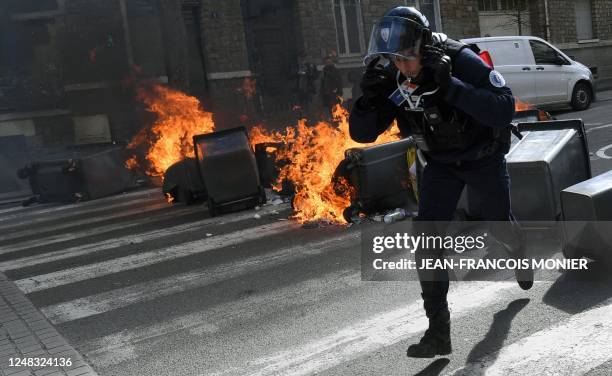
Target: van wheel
(581, 97)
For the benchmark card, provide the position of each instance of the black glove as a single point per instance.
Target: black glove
(376, 84)
(436, 60)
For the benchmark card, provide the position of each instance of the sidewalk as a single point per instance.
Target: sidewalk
(26, 333)
(604, 95)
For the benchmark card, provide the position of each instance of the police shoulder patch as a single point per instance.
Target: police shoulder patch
(497, 79)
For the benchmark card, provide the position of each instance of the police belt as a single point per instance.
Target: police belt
(436, 134)
(499, 144)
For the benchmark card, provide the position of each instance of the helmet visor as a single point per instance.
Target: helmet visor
(395, 36)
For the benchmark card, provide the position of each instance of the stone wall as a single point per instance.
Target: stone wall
(562, 21)
(602, 19)
(316, 29)
(460, 18)
(226, 57)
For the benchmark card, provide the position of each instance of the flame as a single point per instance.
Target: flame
(313, 153)
(259, 135)
(170, 138)
(521, 106)
(169, 198)
(132, 163)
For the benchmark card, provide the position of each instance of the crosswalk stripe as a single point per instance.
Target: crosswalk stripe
(573, 347)
(369, 335)
(24, 209)
(134, 238)
(121, 346)
(60, 225)
(146, 291)
(45, 220)
(82, 273)
(22, 212)
(53, 239)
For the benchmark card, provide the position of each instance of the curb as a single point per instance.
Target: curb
(26, 333)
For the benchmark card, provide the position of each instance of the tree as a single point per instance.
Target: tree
(516, 10)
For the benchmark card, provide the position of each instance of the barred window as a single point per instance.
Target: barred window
(349, 27)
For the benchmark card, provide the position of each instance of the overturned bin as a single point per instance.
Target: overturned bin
(84, 175)
(552, 156)
(227, 165)
(587, 219)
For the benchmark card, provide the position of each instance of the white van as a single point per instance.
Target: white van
(537, 72)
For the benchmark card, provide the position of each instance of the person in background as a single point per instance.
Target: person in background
(331, 84)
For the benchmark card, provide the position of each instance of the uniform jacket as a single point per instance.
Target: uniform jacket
(472, 93)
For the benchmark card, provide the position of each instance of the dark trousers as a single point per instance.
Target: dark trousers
(440, 187)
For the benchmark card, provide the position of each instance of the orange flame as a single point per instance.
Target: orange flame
(169, 198)
(313, 153)
(521, 106)
(170, 138)
(132, 163)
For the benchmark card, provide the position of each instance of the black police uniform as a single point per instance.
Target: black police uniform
(464, 143)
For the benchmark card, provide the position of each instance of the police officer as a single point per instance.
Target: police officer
(458, 110)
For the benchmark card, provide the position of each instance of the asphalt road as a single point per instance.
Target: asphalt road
(598, 123)
(143, 288)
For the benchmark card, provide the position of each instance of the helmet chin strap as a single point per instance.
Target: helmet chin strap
(414, 105)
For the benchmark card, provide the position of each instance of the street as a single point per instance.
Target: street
(140, 287)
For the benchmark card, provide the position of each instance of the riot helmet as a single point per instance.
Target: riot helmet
(400, 33)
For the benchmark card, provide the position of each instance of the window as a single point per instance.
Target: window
(506, 52)
(349, 27)
(584, 21)
(544, 54)
(501, 5)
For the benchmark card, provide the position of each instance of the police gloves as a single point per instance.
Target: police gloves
(439, 64)
(376, 84)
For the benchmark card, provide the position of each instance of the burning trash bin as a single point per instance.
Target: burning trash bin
(227, 165)
(183, 183)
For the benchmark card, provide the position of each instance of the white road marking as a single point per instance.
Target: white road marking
(117, 347)
(174, 212)
(105, 201)
(369, 335)
(146, 291)
(121, 264)
(25, 209)
(34, 229)
(109, 244)
(601, 153)
(573, 347)
(598, 128)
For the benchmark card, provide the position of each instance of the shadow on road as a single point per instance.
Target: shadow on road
(435, 368)
(493, 340)
(578, 290)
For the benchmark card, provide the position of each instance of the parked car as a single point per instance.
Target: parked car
(539, 73)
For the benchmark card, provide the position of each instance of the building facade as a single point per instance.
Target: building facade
(66, 65)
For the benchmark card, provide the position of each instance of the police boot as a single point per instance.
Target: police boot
(437, 340)
(524, 277)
